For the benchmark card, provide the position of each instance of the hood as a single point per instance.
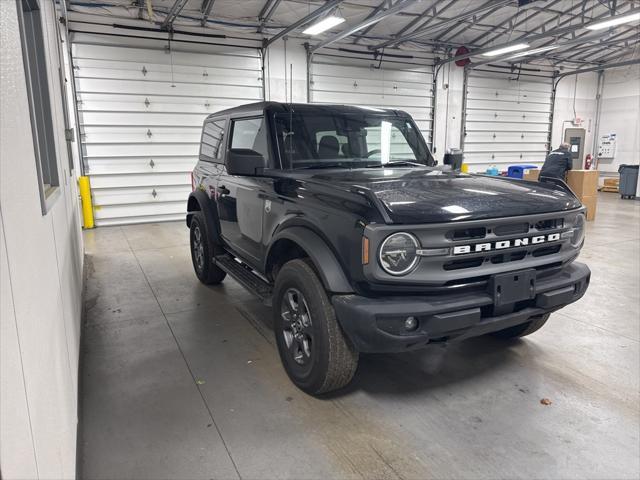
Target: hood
(425, 195)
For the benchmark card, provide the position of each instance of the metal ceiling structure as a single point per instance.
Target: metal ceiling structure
(435, 26)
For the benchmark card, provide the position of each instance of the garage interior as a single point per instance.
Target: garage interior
(117, 363)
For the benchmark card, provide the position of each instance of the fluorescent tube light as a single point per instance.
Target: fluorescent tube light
(617, 20)
(510, 48)
(533, 51)
(323, 25)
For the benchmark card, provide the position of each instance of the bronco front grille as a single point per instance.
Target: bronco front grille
(478, 248)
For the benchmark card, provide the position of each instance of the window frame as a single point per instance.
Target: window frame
(267, 133)
(222, 150)
(34, 56)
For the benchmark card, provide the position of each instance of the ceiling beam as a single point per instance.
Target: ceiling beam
(266, 13)
(173, 13)
(557, 32)
(378, 9)
(513, 55)
(440, 25)
(207, 7)
(599, 68)
(432, 12)
(399, 6)
(303, 21)
(449, 34)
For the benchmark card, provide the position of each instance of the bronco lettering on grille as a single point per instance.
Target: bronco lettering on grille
(502, 244)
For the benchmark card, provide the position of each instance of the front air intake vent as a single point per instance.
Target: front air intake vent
(468, 233)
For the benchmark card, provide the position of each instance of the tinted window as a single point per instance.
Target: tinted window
(250, 134)
(212, 147)
(352, 140)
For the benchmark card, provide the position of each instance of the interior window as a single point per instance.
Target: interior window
(250, 134)
(212, 134)
(385, 142)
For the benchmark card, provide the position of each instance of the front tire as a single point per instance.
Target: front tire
(523, 329)
(314, 351)
(201, 252)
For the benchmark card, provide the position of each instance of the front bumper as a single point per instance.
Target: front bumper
(377, 324)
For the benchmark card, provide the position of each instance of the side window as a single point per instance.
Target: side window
(250, 133)
(212, 146)
(35, 66)
(389, 142)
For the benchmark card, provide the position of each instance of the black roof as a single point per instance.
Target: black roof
(305, 107)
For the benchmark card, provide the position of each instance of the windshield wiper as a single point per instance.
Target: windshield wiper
(397, 163)
(322, 165)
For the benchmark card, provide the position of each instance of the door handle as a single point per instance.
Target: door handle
(222, 190)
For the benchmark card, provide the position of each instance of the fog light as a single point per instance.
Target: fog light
(411, 323)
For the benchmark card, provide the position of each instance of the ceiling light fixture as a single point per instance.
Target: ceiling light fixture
(323, 25)
(510, 48)
(617, 20)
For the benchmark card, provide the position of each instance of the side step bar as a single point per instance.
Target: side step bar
(245, 277)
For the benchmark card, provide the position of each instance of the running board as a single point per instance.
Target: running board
(245, 277)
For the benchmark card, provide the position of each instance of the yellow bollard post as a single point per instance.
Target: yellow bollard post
(464, 168)
(87, 204)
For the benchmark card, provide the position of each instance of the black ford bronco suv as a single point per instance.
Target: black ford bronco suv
(340, 219)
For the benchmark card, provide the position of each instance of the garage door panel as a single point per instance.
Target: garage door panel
(140, 119)
(481, 161)
(220, 57)
(368, 99)
(345, 72)
(175, 89)
(150, 165)
(213, 101)
(361, 80)
(140, 180)
(167, 76)
(507, 106)
(141, 111)
(507, 119)
(506, 83)
(127, 196)
(87, 67)
(107, 135)
(372, 88)
(126, 106)
(140, 149)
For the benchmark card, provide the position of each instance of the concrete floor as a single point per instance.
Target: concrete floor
(183, 381)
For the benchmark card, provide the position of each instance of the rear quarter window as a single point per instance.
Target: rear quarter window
(211, 146)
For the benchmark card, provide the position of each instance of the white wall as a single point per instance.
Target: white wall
(620, 114)
(448, 109)
(40, 280)
(579, 91)
(281, 57)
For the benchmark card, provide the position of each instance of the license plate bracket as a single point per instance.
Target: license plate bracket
(512, 287)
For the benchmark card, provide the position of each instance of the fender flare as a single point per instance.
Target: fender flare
(327, 265)
(210, 215)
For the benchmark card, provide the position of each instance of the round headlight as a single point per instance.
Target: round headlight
(398, 254)
(578, 231)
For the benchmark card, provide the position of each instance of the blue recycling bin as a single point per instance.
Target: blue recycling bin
(517, 171)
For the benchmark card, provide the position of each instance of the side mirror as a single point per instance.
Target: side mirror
(243, 161)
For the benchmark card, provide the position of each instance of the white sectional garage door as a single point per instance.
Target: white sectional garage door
(352, 79)
(507, 119)
(141, 110)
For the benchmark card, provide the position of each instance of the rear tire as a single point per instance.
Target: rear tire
(523, 329)
(201, 252)
(315, 353)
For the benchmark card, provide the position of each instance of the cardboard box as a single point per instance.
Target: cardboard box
(591, 202)
(531, 175)
(583, 182)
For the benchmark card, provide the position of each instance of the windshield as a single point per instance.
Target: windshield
(349, 140)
